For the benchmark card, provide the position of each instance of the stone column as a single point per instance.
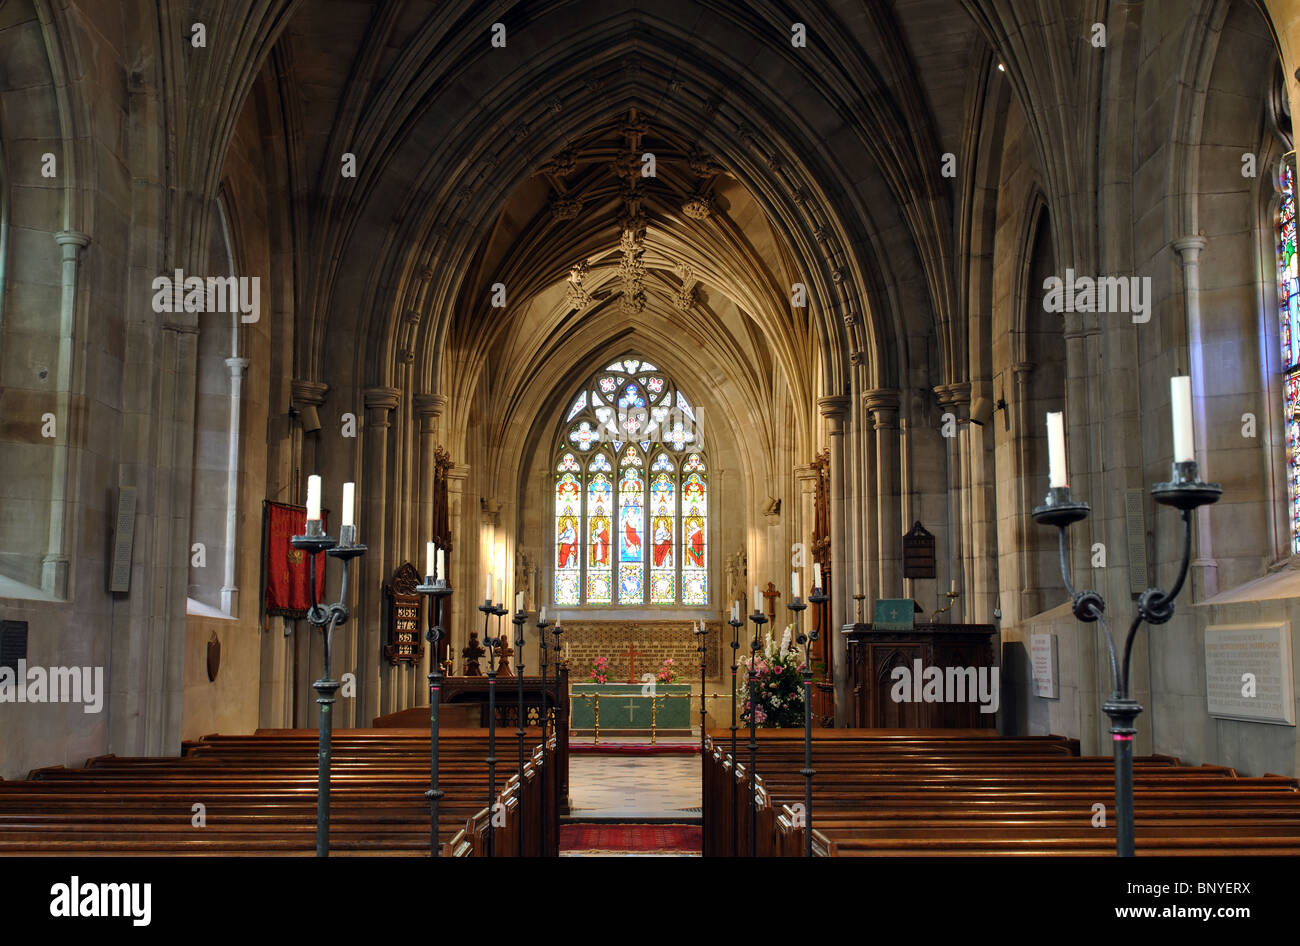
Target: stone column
(54, 566)
(463, 546)
(428, 412)
(835, 409)
(229, 590)
(883, 405)
(368, 614)
(1204, 567)
(955, 399)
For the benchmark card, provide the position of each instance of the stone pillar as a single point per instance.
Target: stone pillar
(835, 409)
(368, 613)
(428, 412)
(461, 578)
(955, 399)
(1204, 567)
(229, 590)
(54, 566)
(883, 405)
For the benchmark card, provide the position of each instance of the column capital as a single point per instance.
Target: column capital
(303, 392)
(879, 400)
(430, 405)
(836, 405)
(236, 365)
(381, 398)
(71, 238)
(807, 477)
(953, 395)
(1189, 247)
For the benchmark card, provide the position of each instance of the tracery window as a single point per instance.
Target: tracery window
(1288, 288)
(630, 470)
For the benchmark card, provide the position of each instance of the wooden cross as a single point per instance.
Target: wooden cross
(771, 594)
(631, 654)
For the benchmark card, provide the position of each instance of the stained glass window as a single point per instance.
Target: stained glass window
(568, 524)
(631, 515)
(1288, 290)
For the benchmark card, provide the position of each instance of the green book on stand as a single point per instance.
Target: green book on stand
(895, 614)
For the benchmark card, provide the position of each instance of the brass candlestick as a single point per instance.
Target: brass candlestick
(952, 597)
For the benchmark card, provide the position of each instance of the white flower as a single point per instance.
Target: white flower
(785, 642)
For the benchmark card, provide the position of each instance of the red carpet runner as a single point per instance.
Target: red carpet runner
(631, 838)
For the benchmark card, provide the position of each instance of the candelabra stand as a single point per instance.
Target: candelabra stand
(518, 621)
(490, 645)
(542, 625)
(1184, 492)
(806, 639)
(701, 637)
(556, 632)
(435, 591)
(736, 624)
(759, 619)
(326, 619)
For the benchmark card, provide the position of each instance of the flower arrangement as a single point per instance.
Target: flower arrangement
(600, 670)
(668, 672)
(778, 684)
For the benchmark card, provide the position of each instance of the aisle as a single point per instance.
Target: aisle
(629, 805)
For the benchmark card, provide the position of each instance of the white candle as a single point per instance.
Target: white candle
(756, 599)
(541, 618)
(501, 590)
(794, 584)
(566, 650)
(519, 600)
(313, 498)
(430, 559)
(349, 495)
(954, 585)
(1057, 475)
(817, 575)
(1180, 400)
(437, 575)
(487, 590)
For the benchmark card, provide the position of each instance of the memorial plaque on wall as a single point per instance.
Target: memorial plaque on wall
(405, 642)
(918, 553)
(1249, 673)
(1042, 664)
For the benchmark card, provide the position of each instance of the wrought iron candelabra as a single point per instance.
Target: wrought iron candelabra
(542, 625)
(434, 592)
(758, 618)
(736, 624)
(1184, 492)
(325, 619)
(701, 638)
(490, 645)
(806, 639)
(518, 620)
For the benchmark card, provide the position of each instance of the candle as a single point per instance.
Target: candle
(817, 575)
(501, 590)
(430, 559)
(487, 590)
(1180, 400)
(1057, 474)
(313, 498)
(349, 495)
(953, 589)
(519, 600)
(541, 618)
(566, 650)
(438, 575)
(756, 600)
(794, 584)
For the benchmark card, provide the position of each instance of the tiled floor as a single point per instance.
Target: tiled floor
(624, 788)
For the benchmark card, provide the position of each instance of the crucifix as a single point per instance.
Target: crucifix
(770, 594)
(631, 654)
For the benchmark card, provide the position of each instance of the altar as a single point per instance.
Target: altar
(624, 708)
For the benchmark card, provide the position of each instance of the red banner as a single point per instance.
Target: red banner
(288, 586)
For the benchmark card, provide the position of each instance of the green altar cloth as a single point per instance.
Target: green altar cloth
(622, 706)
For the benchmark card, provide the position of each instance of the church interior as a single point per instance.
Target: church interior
(383, 383)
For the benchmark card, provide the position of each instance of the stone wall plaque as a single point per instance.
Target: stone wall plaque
(1043, 665)
(119, 580)
(1249, 672)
